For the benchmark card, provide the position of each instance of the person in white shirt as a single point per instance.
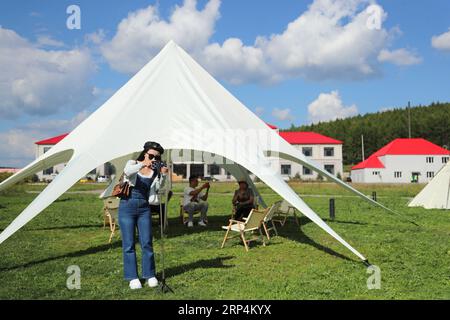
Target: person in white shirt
(196, 200)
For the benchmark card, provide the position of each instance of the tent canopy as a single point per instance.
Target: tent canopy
(174, 101)
(436, 194)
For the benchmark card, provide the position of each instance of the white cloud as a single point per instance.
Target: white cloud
(283, 114)
(96, 38)
(400, 57)
(235, 62)
(442, 41)
(18, 149)
(48, 41)
(330, 40)
(143, 33)
(329, 106)
(41, 82)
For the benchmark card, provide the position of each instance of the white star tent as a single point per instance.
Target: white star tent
(436, 194)
(174, 101)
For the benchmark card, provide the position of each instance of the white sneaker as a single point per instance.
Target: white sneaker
(152, 282)
(135, 284)
(202, 223)
(190, 224)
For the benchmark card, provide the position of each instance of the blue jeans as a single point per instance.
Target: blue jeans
(136, 213)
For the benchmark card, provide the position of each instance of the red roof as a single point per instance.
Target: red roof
(271, 126)
(372, 162)
(402, 147)
(53, 140)
(307, 138)
(291, 137)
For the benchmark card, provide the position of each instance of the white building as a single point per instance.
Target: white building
(325, 151)
(50, 173)
(402, 161)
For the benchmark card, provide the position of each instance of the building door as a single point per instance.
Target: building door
(415, 177)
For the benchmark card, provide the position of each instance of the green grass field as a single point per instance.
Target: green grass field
(301, 263)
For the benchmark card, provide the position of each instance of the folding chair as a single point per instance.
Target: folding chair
(270, 212)
(283, 212)
(253, 223)
(110, 214)
(184, 215)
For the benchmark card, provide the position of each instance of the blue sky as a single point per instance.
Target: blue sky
(379, 70)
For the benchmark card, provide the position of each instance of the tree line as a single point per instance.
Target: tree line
(429, 122)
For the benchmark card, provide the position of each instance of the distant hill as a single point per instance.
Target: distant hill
(429, 122)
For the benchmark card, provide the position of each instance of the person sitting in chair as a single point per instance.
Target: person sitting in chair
(195, 200)
(243, 201)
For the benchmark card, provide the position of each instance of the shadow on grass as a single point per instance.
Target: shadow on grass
(67, 227)
(346, 222)
(216, 263)
(293, 232)
(92, 250)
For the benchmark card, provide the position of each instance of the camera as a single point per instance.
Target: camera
(157, 165)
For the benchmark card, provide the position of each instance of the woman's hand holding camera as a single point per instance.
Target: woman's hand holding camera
(147, 162)
(164, 170)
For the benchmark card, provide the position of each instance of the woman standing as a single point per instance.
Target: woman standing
(243, 200)
(134, 212)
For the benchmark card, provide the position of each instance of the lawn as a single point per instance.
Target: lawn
(301, 263)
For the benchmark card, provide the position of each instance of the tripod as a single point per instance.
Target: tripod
(163, 287)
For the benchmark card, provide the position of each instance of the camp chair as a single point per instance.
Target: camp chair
(110, 214)
(283, 211)
(252, 223)
(270, 212)
(184, 215)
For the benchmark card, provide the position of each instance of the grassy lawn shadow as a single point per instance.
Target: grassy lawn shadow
(215, 263)
(80, 253)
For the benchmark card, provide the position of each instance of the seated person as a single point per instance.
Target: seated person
(195, 200)
(243, 201)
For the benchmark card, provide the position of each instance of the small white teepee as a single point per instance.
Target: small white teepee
(436, 194)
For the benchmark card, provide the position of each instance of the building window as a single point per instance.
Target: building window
(329, 168)
(180, 170)
(430, 160)
(328, 152)
(445, 159)
(46, 149)
(375, 173)
(430, 174)
(286, 169)
(397, 174)
(198, 170)
(307, 151)
(307, 171)
(213, 169)
(48, 171)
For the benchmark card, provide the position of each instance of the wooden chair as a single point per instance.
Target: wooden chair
(184, 215)
(110, 214)
(250, 225)
(283, 212)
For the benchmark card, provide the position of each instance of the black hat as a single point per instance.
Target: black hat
(243, 181)
(154, 145)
